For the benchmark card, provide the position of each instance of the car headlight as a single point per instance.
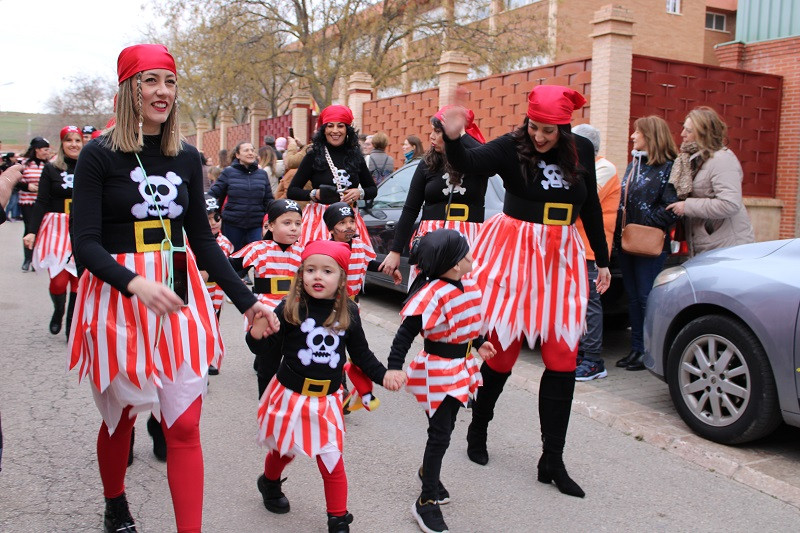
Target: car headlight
(669, 275)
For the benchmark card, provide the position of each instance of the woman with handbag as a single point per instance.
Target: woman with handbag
(643, 223)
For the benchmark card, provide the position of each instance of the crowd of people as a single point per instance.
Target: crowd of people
(143, 243)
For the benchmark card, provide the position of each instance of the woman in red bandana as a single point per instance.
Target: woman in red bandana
(448, 198)
(337, 172)
(531, 264)
(49, 226)
(144, 331)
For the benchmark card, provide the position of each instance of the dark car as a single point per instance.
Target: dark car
(382, 213)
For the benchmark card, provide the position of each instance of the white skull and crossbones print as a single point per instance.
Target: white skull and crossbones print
(457, 189)
(68, 180)
(342, 179)
(554, 178)
(322, 344)
(159, 197)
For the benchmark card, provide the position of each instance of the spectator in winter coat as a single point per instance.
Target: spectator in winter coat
(380, 164)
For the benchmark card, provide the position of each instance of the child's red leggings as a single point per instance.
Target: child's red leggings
(335, 482)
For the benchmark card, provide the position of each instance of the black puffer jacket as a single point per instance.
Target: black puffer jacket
(248, 192)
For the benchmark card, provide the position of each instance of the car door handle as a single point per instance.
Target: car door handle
(390, 224)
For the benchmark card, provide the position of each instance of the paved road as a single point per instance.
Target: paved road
(49, 481)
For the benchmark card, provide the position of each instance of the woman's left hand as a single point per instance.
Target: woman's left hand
(678, 208)
(261, 310)
(351, 195)
(603, 280)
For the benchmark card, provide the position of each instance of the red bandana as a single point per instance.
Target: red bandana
(553, 104)
(335, 113)
(69, 129)
(339, 251)
(139, 57)
(470, 128)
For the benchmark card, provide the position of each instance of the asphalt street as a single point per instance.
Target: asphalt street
(50, 483)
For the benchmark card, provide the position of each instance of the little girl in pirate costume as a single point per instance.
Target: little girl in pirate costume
(301, 410)
(444, 306)
(215, 222)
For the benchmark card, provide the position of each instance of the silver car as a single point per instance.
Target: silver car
(722, 330)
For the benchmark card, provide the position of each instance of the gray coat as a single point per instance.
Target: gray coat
(714, 211)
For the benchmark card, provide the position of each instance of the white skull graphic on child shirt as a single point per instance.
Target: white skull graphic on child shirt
(322, 344)
(159, 197)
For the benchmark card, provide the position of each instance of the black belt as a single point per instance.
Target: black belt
(140, 236)
(447, 350)
(272, 285)
(307, 386)
(461, 212)
(64, 205)
(550, 213)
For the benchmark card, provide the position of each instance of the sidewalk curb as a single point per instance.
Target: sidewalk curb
(657, 429)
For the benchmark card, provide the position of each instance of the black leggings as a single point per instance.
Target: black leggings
(440, 427)
(27, 216)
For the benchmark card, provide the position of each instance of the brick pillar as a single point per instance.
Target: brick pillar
(225, 121)
(184, 129)
(612, 61)
(359, 90)
(453, 69)
(257, 113)
(202, 127)
(299, 106)
(730, 55)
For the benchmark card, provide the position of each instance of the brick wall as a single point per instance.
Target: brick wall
(236, 134)
(275, 126)
(211, 145)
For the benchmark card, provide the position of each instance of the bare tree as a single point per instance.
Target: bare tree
(86, 100)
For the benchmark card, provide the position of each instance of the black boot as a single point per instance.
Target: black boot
(340, 524)
(130, 450)
(555, 403)
(636, 363)
(483, 412)
(118, 518)
(70, 310)
(59, 301)
(628, 359)
(274, 499)
(159, 442)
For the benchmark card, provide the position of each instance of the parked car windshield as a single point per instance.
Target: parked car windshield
(393, 192)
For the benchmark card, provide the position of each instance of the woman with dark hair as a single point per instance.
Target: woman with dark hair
(49, 226)
(144, 331)
(337, 172)
(531, 264)
(37, 154)
(448, 198)
(412, 149)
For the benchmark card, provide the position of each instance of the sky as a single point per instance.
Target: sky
(49, 41)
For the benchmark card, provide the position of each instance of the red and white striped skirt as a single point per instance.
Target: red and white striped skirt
(294, 423)
(431, 378)
(216, 294)
(534, 280)
(116, 339)
(53, 249)
(467, 229)
(314, 228)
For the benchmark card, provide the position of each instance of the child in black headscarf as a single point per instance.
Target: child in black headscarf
(444, 306)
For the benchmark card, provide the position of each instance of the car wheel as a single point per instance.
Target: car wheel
(721, 381)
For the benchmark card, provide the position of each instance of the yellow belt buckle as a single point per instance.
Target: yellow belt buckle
(462, 217)
(211, 284)
(556, 222)
(322, 384)
(67, 206)
(142, 225)
(273, 284)
(469, 348)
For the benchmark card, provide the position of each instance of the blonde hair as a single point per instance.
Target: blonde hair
(657, 138)
(60, 161)
(267, 158)
(297, 301)
(380, 141)
(126, 134)
(709, 130)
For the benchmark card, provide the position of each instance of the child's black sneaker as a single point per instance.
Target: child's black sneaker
(274, 499)
(444, 496)
(340, 524)
(117, 517)
(429, 516)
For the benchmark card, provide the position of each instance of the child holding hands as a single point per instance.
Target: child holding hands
(301, 409)
(444, 306)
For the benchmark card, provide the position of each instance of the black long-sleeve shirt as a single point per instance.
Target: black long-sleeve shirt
(109, 193)
(309, 349)
(431, 187)
(306, 172)
(55, 186)
(500, 156)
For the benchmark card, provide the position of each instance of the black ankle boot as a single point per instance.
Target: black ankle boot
(117, 517)
(59, 301)
(130, 450)
(625, 361)
(159, 442)
(274, 499)
(70, 311)
(555, 403)
(483, 412)
(340, 524)
(637, 363)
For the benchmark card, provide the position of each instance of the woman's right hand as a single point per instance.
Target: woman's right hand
(454, 122)
(157, 297)
(390, 263)
(28, 240)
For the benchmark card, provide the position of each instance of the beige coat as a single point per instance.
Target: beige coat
(714, 211)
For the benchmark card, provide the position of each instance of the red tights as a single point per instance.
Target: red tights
(557, 356)
(184, 463)
(58, 284)
(335, 482)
